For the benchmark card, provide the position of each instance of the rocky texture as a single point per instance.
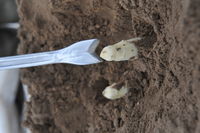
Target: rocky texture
(164, 80)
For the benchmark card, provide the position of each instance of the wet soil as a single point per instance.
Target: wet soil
(164, 80)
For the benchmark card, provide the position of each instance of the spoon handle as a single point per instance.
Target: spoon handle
(80, 53)
(28, 60)
(11, 26)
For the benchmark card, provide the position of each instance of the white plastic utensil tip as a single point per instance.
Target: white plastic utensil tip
(80, 53)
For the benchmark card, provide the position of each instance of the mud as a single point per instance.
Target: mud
(164, 80)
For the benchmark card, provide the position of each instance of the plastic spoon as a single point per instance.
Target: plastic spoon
(80, 53)
(10, 26)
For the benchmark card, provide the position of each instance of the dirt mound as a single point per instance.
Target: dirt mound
(164, 80)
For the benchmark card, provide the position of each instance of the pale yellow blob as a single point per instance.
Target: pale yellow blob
(121, 51)
(113, 93)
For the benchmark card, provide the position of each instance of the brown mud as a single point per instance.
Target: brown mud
(164, 80)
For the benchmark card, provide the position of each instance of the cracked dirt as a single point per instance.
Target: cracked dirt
(164, 80)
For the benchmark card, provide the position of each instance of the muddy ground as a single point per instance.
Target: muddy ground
(164, 80)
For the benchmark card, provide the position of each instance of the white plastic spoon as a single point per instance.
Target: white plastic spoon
(80, 53)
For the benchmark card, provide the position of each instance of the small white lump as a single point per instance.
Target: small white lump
(121, 51)
(112, 92)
